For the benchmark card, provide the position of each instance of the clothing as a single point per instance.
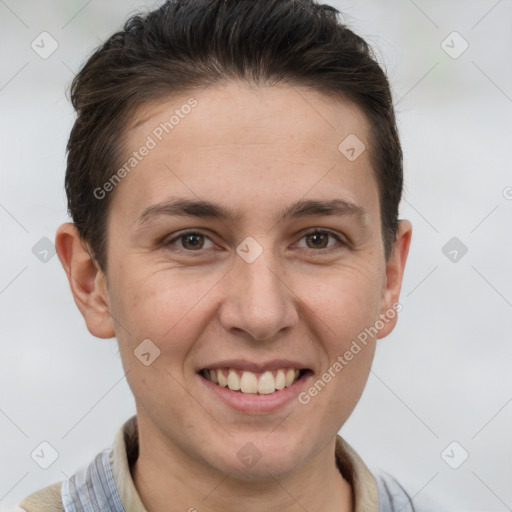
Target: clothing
(106, 484)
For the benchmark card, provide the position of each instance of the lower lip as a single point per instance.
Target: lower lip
(252, 403)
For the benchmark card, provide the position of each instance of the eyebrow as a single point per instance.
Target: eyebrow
(208, 209)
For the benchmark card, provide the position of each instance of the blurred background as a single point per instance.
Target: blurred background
(437, 411)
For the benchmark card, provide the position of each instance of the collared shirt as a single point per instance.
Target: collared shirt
(106, 484)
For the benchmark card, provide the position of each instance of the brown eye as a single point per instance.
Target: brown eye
(194, 241)
(189, 241)
(319, 239)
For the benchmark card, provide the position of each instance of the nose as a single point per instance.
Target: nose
(257, 300)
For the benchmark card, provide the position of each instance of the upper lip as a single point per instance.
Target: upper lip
(252, 366)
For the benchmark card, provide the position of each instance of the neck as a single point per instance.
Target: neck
(168, 481)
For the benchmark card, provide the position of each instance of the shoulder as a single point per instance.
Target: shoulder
(47, 499)
(392, 496)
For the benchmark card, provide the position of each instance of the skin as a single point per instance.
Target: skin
(255, 150)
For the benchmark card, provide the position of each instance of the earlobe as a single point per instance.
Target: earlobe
(86, 280)
(395, 268)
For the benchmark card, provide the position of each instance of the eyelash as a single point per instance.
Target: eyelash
(184, 234)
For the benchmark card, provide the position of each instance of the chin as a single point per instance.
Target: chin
(250, 458)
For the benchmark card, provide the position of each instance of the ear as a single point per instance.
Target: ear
(393, 281)
(86, 280)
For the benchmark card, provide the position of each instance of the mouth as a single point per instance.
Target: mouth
(254, 383)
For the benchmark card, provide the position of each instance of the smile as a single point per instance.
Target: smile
(263, 383)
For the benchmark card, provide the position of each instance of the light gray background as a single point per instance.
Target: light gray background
(443, 375)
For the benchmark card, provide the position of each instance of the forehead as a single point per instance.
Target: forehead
(252, 114)
(239, 143)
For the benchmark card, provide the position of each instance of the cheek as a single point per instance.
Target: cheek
(345, 304)
(167, 308)
(344, 309)
(172, 312)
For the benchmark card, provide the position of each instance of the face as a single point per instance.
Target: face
(262, 287)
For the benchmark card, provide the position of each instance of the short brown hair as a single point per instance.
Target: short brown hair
(187, 44)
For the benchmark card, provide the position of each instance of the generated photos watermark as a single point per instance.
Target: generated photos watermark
(343, 360)
(151, 142)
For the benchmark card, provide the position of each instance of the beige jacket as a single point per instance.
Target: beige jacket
(124, 453)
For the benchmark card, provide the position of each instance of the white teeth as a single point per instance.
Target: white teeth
(280, 379)
(290, 376)
(248, 382)
(266, 384)
(223, 381)
(233, 380)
